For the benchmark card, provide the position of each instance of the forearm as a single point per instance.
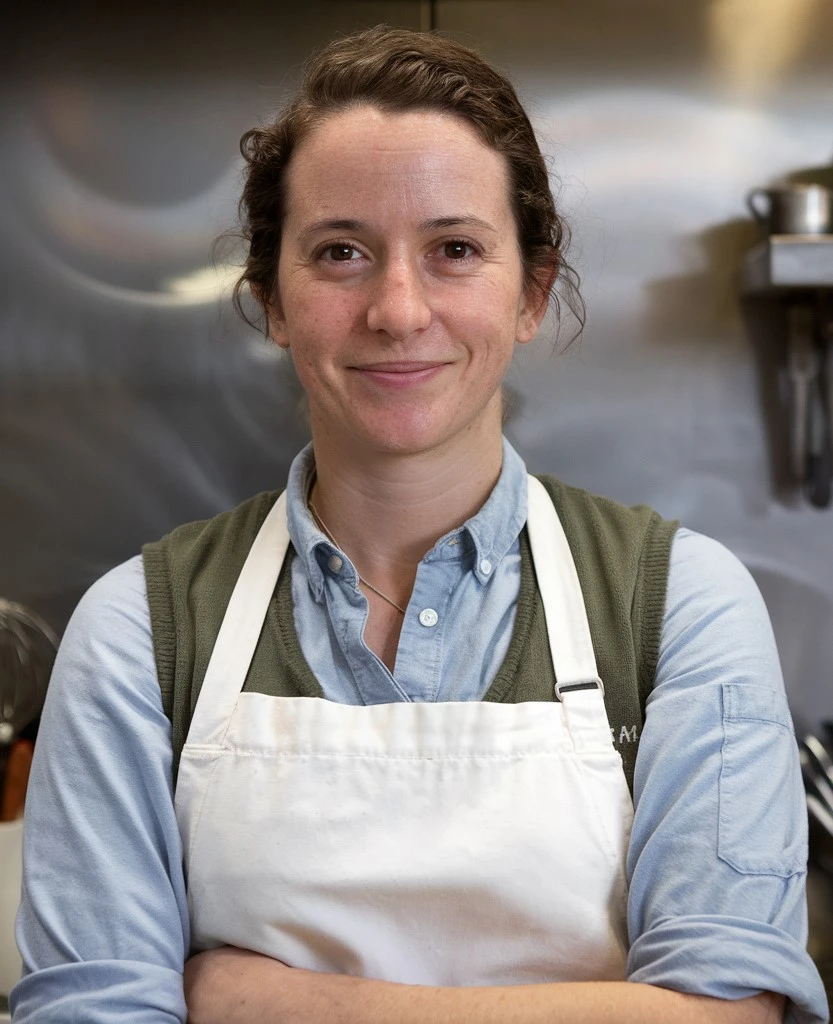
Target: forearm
(355, 1001)
(263, 991)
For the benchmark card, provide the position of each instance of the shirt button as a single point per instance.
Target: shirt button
(428, 617)
(485, 566)
(335, 563)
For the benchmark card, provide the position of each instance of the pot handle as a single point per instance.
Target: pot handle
(761, 216)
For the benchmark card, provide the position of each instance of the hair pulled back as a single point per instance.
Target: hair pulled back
(397, 70)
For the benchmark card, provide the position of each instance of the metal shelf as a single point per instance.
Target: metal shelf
(785, 262)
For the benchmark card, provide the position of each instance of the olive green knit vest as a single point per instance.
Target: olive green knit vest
(621, 555)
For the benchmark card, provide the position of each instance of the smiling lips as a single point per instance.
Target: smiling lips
(400, 375)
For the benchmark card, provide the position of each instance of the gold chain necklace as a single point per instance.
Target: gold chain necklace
(370, 586)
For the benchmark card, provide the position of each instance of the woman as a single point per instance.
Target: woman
(450, 833)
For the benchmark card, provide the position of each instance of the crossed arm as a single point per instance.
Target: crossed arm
(235, 986)
(709, 910)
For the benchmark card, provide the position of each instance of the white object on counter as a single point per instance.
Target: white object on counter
(11, 848)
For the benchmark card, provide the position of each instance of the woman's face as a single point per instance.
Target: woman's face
(400, 286)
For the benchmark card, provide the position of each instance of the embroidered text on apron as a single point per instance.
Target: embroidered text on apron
(466, 843)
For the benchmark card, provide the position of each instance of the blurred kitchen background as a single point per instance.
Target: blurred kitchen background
(133, 399)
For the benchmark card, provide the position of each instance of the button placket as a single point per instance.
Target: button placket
(422, 639)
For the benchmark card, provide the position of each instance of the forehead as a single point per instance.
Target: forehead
(414, 161)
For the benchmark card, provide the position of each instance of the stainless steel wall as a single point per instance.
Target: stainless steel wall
(131, 399)
(658, 118)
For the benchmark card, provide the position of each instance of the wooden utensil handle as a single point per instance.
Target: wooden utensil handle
(16, 779)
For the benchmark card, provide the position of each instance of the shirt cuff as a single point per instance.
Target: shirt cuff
(730, 958)
(100, 992)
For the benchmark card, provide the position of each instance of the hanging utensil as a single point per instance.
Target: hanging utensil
(27, 652)
(820, 813)
(821, 755)
(817, 772)
(802, 369)
(819, 482)
(827, 341)
(818, 485)
(817, 768)
(816, 783)
(827, 376)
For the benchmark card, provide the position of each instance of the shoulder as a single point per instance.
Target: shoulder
(113, 610)
(701, 563)
(109, 634)
(714, 613)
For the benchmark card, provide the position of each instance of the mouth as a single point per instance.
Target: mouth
(400, 374)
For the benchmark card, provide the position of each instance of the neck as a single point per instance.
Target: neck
(388, 509)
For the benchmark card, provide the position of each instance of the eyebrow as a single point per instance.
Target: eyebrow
(464, 220)
(334, 225)
(435, 224)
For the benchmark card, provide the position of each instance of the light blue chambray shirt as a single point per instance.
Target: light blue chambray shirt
(463, 601)
(717, 857)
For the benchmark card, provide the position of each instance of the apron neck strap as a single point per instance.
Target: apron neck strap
(571, 645)
(242, 625)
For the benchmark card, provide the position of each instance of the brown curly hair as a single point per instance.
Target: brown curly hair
(397, 70)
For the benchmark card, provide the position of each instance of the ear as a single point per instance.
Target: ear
(534, 304)
(276, 322)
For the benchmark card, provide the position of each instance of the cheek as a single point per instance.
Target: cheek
(317, 319)
(495, 316)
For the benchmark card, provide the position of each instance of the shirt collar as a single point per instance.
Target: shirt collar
(495, 528)
(491, 532)
(309, 542)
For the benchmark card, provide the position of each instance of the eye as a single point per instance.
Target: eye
(340, 252)
(457, 250)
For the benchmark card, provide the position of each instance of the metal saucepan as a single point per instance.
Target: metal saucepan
(793, 209)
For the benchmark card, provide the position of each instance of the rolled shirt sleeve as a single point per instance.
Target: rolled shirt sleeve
(103, 923)
(717, 859)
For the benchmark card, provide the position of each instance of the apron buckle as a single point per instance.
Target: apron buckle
(590, 684)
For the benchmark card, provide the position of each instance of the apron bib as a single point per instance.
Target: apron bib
(464, 843)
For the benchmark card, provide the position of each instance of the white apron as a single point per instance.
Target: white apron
(465, 843)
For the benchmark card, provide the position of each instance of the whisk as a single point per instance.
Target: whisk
(27, 652)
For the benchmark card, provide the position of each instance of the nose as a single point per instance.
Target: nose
(398, 304)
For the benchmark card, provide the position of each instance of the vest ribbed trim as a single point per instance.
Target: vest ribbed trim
(649, 602)
(160, 603)
(505, 683)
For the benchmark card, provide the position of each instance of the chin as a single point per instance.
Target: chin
(403, 438)
(403, 445)
(402, 441)
(413, 429)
